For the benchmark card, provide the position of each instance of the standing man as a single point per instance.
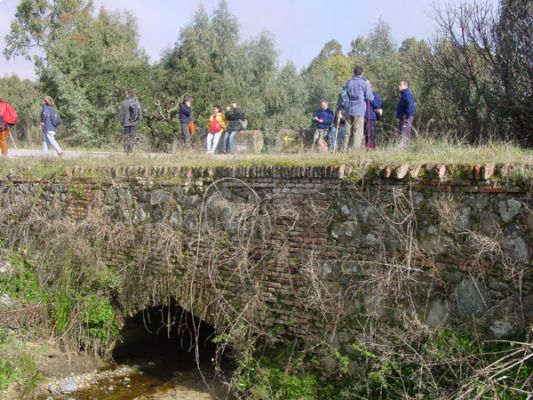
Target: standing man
(236, 119)
(359, 92)
(405, 112)
(185, 117)
(323, 119)
(130, 116)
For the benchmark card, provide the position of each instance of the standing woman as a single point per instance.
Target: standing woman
(215, 127)
(185, 117)
(50, 121)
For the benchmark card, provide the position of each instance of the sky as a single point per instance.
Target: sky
(300, 27)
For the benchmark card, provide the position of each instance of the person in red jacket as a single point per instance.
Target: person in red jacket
(4, 127)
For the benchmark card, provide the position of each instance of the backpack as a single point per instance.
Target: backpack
(134, 112)
(50, 114)
(9, 115)
(215, 126)
(55, 120)
(344, 99)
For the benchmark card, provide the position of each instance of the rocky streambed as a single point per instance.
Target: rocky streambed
(139, 382)
(159, 379)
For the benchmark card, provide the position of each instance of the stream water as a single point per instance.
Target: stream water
(155, 374)
(154, 365)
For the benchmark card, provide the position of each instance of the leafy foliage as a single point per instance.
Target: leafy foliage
(17, 364)
(473, 81)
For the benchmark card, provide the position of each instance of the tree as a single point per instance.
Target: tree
(379, 56)
(87, 62)
(25, 97)
(214, 67)
(514, 62)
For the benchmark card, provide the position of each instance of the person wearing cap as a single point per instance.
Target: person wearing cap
(185, 116)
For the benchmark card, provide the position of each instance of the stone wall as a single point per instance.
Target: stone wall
(317, 253)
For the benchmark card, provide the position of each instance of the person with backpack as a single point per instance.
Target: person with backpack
(374, 110)
(185, 117)
(323, 119)
(215, 126)
(8, 118)
(50, 121)
(359, 92)
(236, 122)
(338, 130)
(130, 116)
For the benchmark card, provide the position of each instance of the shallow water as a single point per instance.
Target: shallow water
(157, 372)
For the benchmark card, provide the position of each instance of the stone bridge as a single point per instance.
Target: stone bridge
(318, 254)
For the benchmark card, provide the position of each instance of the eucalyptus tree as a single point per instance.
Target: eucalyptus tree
(514, 62)
(379, 56)
(213, 66)
(325, 76)
(84, 61)
(24, 95)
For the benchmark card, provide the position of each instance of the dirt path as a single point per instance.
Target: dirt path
(15, 153)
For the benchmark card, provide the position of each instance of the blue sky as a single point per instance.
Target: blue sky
(300, 27)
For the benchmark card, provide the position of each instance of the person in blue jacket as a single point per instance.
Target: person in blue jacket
(50, 121)
(374, 110)
(405, 112)
(323, 119)
(185, 117)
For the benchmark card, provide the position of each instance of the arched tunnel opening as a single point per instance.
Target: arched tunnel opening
(168, 344)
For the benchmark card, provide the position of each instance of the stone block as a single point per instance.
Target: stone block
(289, 141)
(471, 299)
(249, 142)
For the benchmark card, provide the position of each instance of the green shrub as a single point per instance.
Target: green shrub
(17, 364)
(99, 321)
(22, 284)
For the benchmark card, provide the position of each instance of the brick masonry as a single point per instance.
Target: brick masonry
(311, 252)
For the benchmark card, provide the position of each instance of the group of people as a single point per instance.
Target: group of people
(352, 125)
(49, 123)
(350, 128)
(222, 126)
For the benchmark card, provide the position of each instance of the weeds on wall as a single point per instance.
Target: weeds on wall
(105, 266)
(59, 268)
(393, 353)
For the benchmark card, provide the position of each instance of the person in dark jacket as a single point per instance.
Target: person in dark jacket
(359, 92)
(236, 122)
(130, 116)
(323, 119)
(405, 112)
(50, 121)
(185, 117)
(374, 110)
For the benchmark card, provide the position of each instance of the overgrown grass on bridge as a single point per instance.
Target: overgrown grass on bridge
(421, 152)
